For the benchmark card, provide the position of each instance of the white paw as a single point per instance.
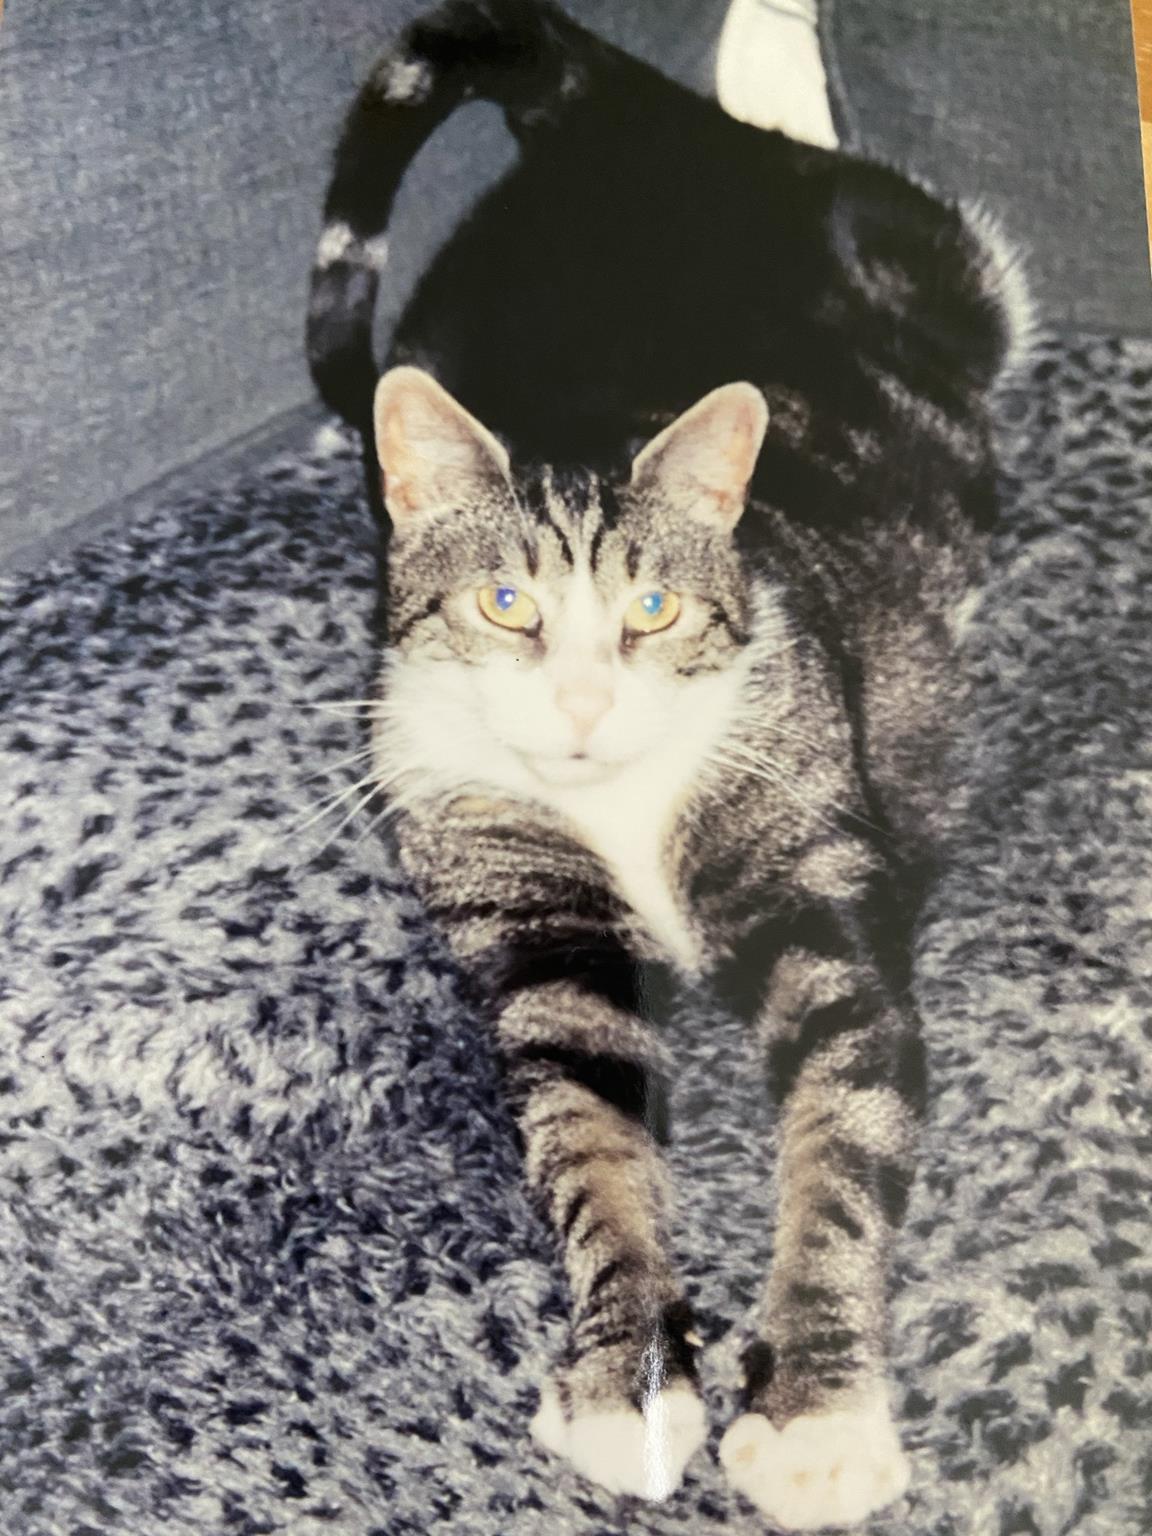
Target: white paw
(820, 1469)
(623, 1450)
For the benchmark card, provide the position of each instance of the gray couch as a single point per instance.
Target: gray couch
(161, 168)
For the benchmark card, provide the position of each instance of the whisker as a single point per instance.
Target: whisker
(754, 755)
(329, 803)
(377, 789)
(833, 805)
(755, 762)
(759, 760)
(342, 762)
(778, 728)
(384, 781)
(334, 796)
(770, 773)
(381, 816)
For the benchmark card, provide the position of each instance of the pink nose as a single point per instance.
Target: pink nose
(585, 704)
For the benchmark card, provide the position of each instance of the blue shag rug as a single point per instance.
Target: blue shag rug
(267, 1265)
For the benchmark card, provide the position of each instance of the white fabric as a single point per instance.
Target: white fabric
(770, 71)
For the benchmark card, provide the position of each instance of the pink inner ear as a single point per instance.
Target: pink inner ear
(705, 459)
(433, 454)
(398, 464)
(728, 457)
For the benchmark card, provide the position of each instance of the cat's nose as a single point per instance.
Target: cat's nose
(585, 704)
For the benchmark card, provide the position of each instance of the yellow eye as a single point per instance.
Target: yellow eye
(508, 607)
(651, 612)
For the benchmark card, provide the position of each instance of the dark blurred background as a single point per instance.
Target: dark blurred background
(162, 167)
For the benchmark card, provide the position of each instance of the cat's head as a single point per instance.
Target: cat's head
(548, 622)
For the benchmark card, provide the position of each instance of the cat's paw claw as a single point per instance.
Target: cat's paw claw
(820, 1469)
(622, 1450)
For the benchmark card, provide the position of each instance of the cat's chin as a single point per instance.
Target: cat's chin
(572, 771)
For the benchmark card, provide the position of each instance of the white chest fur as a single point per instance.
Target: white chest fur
(627, 822)
(628, 819)
(438, 743)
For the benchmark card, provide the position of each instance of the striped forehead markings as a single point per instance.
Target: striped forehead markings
(596, 540)
(531, 555)
(609, 515)
(539, 502)
(574, 506)
(579, 509)
(565, 546)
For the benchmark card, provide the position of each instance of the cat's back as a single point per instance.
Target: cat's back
(650, 247)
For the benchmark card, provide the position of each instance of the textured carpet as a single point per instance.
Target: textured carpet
(266, 1264)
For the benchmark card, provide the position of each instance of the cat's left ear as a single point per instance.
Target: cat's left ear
(703, 462)
(434, 455)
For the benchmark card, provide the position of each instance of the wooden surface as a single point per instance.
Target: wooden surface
(1142, 23)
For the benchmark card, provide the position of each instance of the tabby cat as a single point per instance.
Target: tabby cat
(673, 582)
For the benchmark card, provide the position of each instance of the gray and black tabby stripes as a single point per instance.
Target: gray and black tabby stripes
(645, 250)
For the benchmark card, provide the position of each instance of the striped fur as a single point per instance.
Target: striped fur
(795, 904)
(774, 787)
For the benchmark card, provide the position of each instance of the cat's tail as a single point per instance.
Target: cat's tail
(523, 54)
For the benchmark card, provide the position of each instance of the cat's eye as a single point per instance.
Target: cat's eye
(508, 607)
(652, 611)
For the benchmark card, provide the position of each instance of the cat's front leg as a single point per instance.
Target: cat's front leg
(622, 1405)
(545, 943)
(816, 1445)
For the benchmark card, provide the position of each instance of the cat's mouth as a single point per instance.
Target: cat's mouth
(572, 768)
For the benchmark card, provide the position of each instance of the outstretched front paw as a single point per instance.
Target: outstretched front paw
(622, 1449)
(820, 1469)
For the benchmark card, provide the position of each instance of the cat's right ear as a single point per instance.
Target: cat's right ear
(433, 455)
